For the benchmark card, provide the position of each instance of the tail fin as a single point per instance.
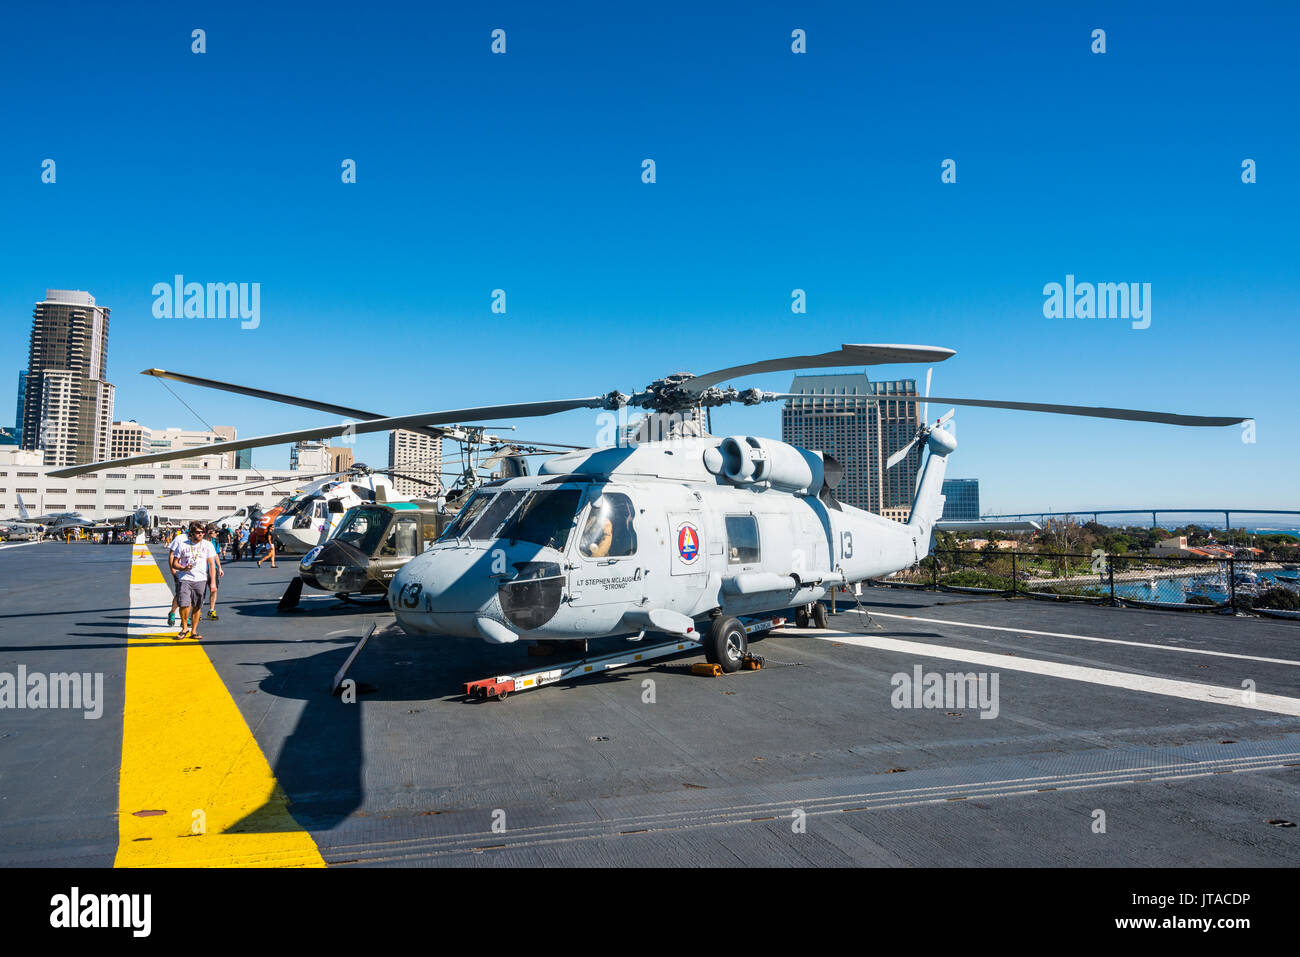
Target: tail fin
(928, 505)
(22, 510)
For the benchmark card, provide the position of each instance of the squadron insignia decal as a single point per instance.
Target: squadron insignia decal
(688, 543)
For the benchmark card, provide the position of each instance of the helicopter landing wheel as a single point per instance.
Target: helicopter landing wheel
(727, 644)
(819, 617)
(801, 616)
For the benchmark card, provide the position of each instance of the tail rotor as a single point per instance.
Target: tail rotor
(924, 428)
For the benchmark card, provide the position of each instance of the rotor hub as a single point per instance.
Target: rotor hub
(669, 395)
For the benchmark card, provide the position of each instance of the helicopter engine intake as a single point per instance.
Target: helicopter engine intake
(746, 460)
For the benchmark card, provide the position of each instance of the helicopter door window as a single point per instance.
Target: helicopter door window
(403, 541)
(609, 531)
(742, 540)
(429, 530)
(408, 538)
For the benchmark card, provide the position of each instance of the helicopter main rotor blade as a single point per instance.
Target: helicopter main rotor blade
(1095, 412)
(520, 410)
(846, 355)
(1098, 412)
(280, 397)
(403, 475)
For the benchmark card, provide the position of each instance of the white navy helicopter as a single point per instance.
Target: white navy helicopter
(684, 536)
(313, 513)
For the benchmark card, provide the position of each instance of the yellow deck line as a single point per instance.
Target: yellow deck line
(187, 748)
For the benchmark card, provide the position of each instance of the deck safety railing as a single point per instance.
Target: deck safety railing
(1228, 584)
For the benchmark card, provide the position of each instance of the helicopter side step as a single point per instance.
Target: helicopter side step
(501, 686)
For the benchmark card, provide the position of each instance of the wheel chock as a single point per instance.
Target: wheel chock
(706, 669)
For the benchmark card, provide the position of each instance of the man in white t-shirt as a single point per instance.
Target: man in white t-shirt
(178, 538)
(193, 561)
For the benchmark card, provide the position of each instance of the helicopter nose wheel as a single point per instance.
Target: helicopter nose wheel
(727, 644)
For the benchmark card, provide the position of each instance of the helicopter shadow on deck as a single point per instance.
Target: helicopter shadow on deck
(319, 767)
(320, 762)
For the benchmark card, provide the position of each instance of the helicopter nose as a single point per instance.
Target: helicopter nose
(335, 567)
(442, 590)
(477, 592)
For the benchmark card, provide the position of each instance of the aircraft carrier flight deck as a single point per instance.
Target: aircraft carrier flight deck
(1098, 737)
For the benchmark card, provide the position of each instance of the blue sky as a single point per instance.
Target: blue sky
(775, 171)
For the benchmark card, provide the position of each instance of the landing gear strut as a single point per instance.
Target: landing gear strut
(817, 617)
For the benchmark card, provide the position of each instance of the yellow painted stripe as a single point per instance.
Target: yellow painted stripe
(187, 752)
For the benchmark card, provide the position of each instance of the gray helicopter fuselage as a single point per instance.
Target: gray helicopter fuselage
(655, 537)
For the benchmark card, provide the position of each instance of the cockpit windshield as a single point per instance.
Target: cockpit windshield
(546, 518)
(296, 508)
(363, 527)
(467, 515)
(494, 515)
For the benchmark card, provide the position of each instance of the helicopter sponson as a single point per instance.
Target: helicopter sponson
(656, 537)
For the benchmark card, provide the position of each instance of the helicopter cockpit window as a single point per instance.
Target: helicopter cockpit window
(546, 518)
(304, 511)
(742, 540)
(609, 531)
(485, 528)
(467, 515)
(363, 528)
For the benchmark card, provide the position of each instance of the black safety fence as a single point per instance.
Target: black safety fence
(1193, 583)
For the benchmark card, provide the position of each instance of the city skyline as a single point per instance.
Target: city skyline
(819, 172)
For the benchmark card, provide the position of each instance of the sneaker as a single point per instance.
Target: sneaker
(212, 615)
(171, 619)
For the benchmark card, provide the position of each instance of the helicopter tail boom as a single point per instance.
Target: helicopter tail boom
(927, 507)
